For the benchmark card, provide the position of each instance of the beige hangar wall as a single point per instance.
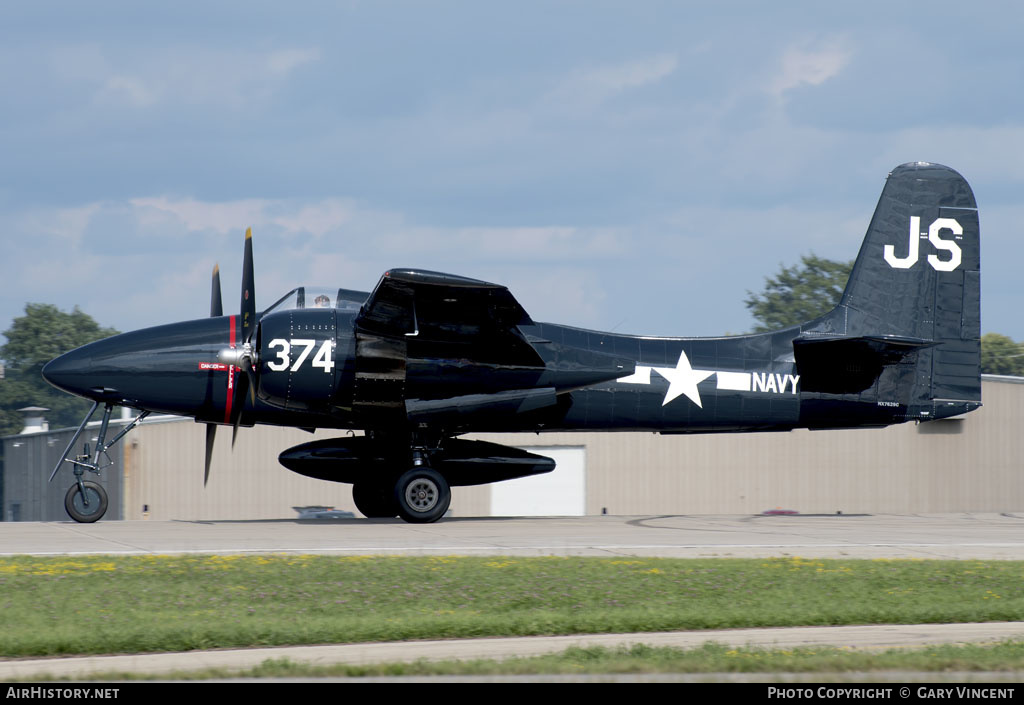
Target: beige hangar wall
(969, 464)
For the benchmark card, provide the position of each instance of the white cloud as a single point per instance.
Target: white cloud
(562, 294)
(318, 218)
(223, 217)
(589, 87)
(178, 75)
(161, 249)
(120, 89)
(613, 79)
(812, 67)
(550, 242)
(368, 229)
(282, 63)
(543, 243)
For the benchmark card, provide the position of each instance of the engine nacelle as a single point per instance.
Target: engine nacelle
(297, 358)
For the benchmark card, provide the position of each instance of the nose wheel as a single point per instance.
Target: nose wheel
(423, 495)
(86, 501)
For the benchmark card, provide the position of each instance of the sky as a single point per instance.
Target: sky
(636, 166)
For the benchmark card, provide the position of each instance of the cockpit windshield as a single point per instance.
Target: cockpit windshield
(319, 297)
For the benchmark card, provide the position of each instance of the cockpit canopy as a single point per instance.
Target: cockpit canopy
(319, 297)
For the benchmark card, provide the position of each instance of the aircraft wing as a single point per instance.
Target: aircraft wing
(451, 317)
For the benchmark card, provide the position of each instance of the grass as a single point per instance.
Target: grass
(710, 658)
(64, 605)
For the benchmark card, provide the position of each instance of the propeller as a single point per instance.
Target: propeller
(243, 356)
(216, 310)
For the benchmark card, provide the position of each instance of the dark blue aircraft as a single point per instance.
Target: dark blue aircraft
(427, 357)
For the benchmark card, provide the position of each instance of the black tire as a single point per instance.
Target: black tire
(374, 500)
(423, 495)
(76, 507)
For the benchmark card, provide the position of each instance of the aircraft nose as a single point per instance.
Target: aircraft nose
(69, 372)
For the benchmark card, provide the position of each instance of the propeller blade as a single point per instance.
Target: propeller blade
(216, 310)
(211, 434)
(216, 306)
(251, 376)
(240, 390)
(248, 290)
(246, 383)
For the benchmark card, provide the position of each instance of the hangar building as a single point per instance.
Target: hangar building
(968, 464)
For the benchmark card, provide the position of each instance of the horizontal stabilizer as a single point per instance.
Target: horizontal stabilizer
(849, 365)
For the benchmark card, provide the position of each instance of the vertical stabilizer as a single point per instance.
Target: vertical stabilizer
(917, 277)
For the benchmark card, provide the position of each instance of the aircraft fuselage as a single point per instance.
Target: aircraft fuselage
(669, 385)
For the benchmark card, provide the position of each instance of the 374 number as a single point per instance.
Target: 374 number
(323, 358)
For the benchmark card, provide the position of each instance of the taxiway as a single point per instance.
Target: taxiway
(938, 536)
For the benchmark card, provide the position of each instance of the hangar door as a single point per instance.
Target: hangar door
(561, 492)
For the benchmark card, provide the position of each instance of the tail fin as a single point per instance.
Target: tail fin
(917, 278)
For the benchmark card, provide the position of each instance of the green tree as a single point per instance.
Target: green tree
(1001, 356)
(799, 293)
(43, 333)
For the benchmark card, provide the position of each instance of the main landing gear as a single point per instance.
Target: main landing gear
(423, 495)
(420, 495)
(87, 501)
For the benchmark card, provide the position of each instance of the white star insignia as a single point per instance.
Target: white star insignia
(683, 380)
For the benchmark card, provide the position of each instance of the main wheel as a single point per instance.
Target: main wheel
(88, 508)
(375, 501)
(423, 495)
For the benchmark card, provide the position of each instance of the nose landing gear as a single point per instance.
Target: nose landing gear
(87, 501)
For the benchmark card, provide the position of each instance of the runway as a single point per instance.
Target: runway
(986, 536)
